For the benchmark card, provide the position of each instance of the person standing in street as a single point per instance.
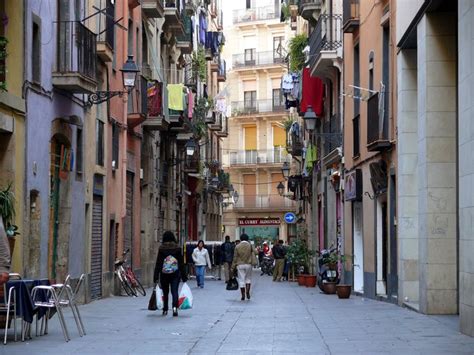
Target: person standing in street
(244, 259)
(227, 252)
(169, 269)
(5, 257)
(201, 259)
(279, 254)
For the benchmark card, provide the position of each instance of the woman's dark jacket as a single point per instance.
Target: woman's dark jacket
(165, 250)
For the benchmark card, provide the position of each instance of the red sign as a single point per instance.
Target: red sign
(259, 222)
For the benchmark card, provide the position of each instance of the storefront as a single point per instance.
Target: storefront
(260, 228)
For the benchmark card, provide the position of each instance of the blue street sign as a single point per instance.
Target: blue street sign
(290, 217)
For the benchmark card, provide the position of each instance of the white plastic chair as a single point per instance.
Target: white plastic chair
(8, 308)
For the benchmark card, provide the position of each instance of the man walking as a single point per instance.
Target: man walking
(279, 253)
(227, 252)
(244, 259)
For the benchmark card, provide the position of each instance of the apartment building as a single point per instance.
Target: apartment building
(370, 154)
(256, 148)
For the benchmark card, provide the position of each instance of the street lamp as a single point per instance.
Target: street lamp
(129, 76)
(285, 169)
(310, 119)
(129, 73)
(191, 147)
(281, 188)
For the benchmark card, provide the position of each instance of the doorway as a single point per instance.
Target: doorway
(382, 247)
(358, 245)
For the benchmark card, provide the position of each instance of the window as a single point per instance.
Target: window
(250, 99)
(278, 49)
(356, 136)
(100, 143)
(356, 80)
(250, 134)
(109, 22)
(115, 146)
(386, 76)
(278, 101)
(130, 38)
(248, 4)
(250, 56)
(36, 53)
(79, 151)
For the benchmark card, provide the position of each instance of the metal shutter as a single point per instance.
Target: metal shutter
(96, 248)
(127, 242)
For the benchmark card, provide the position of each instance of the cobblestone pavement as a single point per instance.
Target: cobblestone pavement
(280, 318)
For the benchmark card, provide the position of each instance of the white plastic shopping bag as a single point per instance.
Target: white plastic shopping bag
(159, 297)
(185, 297)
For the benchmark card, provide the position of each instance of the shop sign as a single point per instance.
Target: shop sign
(259, 221)
(353, 185)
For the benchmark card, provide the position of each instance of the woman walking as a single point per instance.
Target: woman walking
(169, 269)
(201, 259)
(244, 259)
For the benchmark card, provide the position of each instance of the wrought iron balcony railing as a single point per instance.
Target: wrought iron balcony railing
(253, 58)
(326, 36)
(332, 134)
(350, 14)
(278, 155)
(76, 50)
(251, 107)
(256, 14)
(377, 125)
(264, 201)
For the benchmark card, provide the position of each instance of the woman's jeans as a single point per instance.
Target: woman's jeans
(167, 281)
(200, 271)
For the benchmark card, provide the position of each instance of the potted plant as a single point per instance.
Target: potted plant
(7, 214)
(343, 290)
(300, 257)
(331, 261)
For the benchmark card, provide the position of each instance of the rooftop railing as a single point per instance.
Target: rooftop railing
(256, 14)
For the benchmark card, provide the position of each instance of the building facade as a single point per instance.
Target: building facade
(12, 117)
(256, 150)
(370, 148)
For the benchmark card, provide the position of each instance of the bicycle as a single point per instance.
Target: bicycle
(128, 279)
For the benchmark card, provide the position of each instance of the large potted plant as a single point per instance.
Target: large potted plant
(300, 257)
(7, 214)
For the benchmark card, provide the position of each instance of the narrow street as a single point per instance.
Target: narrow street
(280, 318)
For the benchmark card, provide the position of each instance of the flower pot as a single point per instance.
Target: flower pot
(343, 291)
(301, 280)
(329, 288)
(310, 280)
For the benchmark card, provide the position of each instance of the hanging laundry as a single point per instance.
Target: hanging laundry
(190, 104)
(313, 93)
(221, 105)
(175, 97)
(311, 156)
(154, 94)
(202, 28)
(286, 83)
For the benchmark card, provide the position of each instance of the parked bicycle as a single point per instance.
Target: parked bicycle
(128, 280)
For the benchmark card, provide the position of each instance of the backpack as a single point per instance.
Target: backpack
(170, 265)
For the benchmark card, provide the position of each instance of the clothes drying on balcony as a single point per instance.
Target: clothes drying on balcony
(155, 99)
(175, 97)
(202, 27)
(312, 93)
(310, 156)
(290, 87)
(190, 104)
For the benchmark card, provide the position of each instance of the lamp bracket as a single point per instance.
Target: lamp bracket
(101, 96)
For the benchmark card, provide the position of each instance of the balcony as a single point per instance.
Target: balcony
(190, 77)
(173, 22)
(332, 134)
(155, 120)
(253, 59)
(76, 59)
(350, 15)
(224, 132)
(153, 8)
(185, 41)
(222, 72)
(244, 16)
(217, 124)
(138, 103)
(325, 44)
(310, 9)
(278, 156)
(271, 202)
(377, 126)
(245, 108)
(105, 39)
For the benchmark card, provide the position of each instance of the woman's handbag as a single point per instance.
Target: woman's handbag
(232, 285)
